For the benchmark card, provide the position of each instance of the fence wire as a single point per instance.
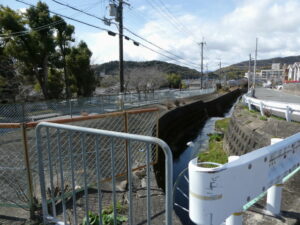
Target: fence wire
(35, 111)
(14, 183)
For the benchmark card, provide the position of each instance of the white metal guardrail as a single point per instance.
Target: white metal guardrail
(67, 168)
(222, 192)
(288, 110)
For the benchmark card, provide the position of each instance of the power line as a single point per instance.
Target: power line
(156, 8)
(170, 18)
(79, 10)
(113, 34)
(149, 42)
(67, 17)
(21, 33)
(168, 12)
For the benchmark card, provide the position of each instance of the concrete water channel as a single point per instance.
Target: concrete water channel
(199, 144)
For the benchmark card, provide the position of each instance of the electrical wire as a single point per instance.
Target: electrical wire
(67, 17)
(168, 12)
(22, 33)
(166, 17)
(114, 33)
(79, 10)
(149, 42)
(125, 28)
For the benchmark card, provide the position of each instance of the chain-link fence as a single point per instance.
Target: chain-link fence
(34, 111)
(19, 163)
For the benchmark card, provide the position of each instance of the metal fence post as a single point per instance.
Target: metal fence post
(23, 112)
(28, 170)
(126, 141)
(70, 107)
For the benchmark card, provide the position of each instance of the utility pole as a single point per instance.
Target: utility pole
(220, 66)
(206, 75)
(121, 60)
(249, 71)
(255, 66)
(201, 44)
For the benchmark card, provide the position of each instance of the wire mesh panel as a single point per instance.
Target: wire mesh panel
(73, 163)
(138, 122)
(13, 182)
(20, 186)
(145, 124)
(41, 110)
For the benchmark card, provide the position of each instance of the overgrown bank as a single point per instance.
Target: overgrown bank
(215, 152)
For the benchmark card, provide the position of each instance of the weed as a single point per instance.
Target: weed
(215, 152)
(222, 125)
(263, 118)
(107, 218)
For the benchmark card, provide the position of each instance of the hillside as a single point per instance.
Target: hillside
(238, 70)
(112, 68)
(233, 71)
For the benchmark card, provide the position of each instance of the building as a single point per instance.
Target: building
(294, 72)
(275, 73)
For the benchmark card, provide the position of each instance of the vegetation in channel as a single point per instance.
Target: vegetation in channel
(215, 152)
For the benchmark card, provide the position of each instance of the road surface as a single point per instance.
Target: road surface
(276, 95)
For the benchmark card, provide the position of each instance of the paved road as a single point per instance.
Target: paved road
(276, 95)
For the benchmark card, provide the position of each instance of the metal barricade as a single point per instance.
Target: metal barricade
(69, 169)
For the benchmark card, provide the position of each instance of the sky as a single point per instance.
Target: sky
(228, 27)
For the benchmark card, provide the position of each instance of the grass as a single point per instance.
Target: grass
(263, 118)
(215, 153)
(222, 125)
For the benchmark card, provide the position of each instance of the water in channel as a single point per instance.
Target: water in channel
(200, 143)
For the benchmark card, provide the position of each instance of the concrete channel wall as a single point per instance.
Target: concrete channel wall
(248, 132)
(182, 124)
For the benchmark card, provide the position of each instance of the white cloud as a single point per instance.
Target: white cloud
(232, 38)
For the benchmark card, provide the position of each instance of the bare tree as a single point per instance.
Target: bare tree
(144, 80)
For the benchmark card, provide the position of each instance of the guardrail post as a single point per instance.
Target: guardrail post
(274, 199)
(237, 217)
(288, 114)
(249, 104)
(261, 108)
(274, 192)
